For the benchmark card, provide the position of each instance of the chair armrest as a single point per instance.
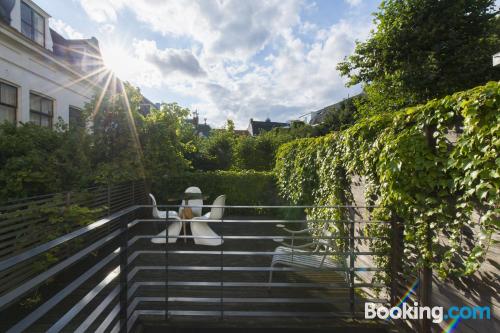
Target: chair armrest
(295, 232)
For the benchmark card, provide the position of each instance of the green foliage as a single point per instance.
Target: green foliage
(165, 138)
(52, 219)
(339, 117)
(422, 49)
(415, 172)
(240, 187)
(116, 152)
(259, 152)
(36, 160)
(224, 150)
(119, 146)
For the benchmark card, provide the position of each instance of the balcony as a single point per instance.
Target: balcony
(108, 276)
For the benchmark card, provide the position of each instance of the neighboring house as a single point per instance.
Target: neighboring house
(241, 132)
(257, 127)
(43, 76)
(317, 117)
(146, 105)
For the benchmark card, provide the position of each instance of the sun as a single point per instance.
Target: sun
(119, 60)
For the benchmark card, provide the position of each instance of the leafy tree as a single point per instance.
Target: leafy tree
(422, 49)
(116, 153)
(166, 138)
(339, 117)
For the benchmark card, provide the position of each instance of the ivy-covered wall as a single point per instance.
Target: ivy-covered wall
(430, 166)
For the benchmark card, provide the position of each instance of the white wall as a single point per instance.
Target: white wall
(31, 71)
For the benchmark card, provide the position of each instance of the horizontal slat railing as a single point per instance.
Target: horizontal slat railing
(135, 279)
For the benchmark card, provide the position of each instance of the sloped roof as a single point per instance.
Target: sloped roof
(257, 127)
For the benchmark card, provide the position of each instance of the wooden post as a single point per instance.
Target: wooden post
(395, 259)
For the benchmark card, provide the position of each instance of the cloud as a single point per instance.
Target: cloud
(354, 3)
(64, 29)
(107, 28)
(247, 59)
(102, 10)
(232, 28)
(169, 60)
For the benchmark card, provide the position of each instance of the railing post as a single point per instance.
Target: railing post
(166, 268)
(222, 271)
(352, 300)
(123, 274)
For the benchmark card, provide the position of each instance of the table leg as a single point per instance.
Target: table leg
(184, 230)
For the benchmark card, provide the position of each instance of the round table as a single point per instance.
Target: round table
(185, 197)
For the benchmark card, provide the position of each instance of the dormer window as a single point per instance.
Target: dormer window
(32, 24)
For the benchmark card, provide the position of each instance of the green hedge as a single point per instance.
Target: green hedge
(415, 172)
(240, 187)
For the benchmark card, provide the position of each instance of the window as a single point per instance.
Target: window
(76, 118)
(41, 110)
(32, 24)
(8, 103)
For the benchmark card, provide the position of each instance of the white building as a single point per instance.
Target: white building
(43, 76)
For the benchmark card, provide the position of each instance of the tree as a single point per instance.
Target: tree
(116, 152)
(423, 49)
(166, 139)
(338, 117)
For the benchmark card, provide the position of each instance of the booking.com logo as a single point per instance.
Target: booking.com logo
(437, 314)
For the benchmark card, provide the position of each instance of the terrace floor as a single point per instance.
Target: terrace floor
(197, 291)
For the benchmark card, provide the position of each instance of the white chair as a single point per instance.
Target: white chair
(310, 255)
(200, 229)
(196, 205)
(161, 214)
(174, 228)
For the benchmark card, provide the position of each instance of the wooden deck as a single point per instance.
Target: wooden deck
(252, 304)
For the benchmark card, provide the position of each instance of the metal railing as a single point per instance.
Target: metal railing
(123, 278)
(36, 223)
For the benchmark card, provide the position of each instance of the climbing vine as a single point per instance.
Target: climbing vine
(436, 167)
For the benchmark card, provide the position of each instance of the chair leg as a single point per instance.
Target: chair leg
(270, 279)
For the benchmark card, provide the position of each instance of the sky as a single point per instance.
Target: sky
(228, 59)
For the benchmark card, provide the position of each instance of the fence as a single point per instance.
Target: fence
(28, 223)
(124, 274)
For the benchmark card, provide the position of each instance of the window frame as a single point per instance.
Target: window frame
(50, 116)
(80, 123)
(31, 24)
(3, 83)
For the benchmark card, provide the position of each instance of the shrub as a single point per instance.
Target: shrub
(240, 187)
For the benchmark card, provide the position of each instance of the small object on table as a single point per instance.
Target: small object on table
(187, 212)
